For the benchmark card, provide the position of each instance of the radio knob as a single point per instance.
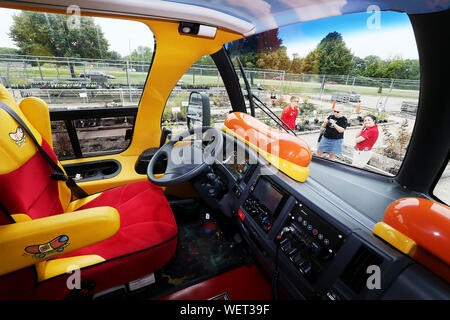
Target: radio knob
(326, 254)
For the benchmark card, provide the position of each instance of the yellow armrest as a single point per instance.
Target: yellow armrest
(29, 242)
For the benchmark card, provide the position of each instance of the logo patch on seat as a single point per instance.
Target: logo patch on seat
(41, 250)
(18, 137)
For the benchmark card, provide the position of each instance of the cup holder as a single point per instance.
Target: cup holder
(109, 171)
(93, 170)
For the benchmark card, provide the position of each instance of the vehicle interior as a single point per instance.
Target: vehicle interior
(259, 217)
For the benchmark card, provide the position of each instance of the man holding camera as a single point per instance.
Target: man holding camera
(333, 137)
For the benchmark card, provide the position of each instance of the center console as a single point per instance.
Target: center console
(264, 202)
(289, 232)
(308, 241)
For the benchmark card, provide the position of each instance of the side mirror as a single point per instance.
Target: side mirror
(198, 111)
(165, 133)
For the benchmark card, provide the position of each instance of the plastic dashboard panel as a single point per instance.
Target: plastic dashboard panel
(340, 198)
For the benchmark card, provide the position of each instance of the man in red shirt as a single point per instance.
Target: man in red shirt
(289, 113)
(365, 139)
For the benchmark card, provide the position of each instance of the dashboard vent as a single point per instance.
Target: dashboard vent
(355, 274)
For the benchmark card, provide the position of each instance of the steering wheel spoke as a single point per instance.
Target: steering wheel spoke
(186, 158)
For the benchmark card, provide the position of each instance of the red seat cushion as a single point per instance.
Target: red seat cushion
(146, 240)
(146, 220)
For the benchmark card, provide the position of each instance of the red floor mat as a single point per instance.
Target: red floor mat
(243, 283)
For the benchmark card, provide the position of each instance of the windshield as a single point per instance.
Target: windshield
(347, 85)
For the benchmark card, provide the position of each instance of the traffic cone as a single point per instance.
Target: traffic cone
(334, 104)
(358, 108)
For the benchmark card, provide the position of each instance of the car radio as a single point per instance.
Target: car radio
(308, 241)
(264, 202)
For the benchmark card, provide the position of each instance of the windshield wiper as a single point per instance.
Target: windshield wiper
(260, 104)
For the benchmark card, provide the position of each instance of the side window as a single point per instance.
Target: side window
(90, 71)
(347, 87)
(442, 188)
(201, 84)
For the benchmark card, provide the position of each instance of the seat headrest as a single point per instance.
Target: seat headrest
(13, 152)
(7, 98)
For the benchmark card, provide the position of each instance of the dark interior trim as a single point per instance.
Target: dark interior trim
(430, 141)
(230, 79)
(89, 113)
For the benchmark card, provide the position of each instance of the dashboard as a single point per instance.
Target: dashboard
(315, 237)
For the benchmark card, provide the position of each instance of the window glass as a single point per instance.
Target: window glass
(73, 63)
(201, 84)
(442, 188)
(338, 79)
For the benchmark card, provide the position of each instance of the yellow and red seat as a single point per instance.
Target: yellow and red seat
(113, 237)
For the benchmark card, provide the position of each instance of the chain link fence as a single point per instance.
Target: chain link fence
(61, 80)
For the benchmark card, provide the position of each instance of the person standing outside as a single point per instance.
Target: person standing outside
(365, 139)
(333, 137)
(289, 114)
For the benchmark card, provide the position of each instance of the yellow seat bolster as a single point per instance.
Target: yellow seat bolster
(395, 238)
(74, 205)
(21, 217)
(49, 269)
(36, 111)
(26, 243)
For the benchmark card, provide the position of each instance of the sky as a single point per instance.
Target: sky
(123, 36)
(386, 35)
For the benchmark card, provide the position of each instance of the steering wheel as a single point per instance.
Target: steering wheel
(186, 158)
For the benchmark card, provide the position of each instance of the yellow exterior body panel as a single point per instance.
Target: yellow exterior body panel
(174, 55)
(395, 238)
(292, 170)
(26, 243)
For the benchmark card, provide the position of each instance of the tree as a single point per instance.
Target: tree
(141, 53)
(284, 63)
(334, 56)
(360, 66)
(310, 64)
(412, 69)
(4, 50)
(37, 33)
(296, 65)
(114, 55)
(396, 69)
(206, 60)
(375, 70)
(253, 50)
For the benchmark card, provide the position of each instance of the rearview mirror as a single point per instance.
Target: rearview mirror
(198, 111)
